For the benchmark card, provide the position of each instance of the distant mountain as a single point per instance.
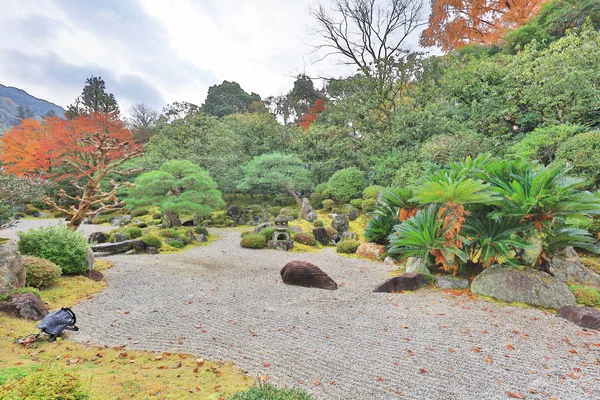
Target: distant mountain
(11, 98)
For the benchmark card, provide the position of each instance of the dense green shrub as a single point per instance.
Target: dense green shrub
(305, 238)
(294, 213)
(347, 246)
(151, 241)
(369, 205)
(356, 203)
(443, 149)
(200, 230)
(274, 211)
(543, 142)
(284, 211)
(254, 241)
(267, 233)
(157, 215)
(582, 152)
(269, 392)
(346, 184)
(169, 233)
(133, 232)
(371, 192)
(328, 204)
(138, 212)
(587, 296)
(66, 248)
(177, 243)
(255, 209)
(326, 194)
(321, 188)
(316, 200)
(52, 382)
(41, 273)
(100, 219)
(318, 223)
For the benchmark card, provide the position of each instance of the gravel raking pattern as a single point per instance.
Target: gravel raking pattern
(222, 302)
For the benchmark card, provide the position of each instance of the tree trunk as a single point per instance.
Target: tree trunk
(295, 196)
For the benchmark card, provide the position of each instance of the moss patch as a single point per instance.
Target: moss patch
(586, 296)
(592, 261)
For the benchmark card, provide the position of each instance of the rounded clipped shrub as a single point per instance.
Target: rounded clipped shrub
(200, 230)
(40, 273)
(138, 212)
(177, 243)
(316, 200)
(347, 246)
(169, 233)
(254, 241)
(305, 238)
(151, 241)
(318, 223)
(369, 205)
(255, 209)
(101, 219)
(328, 204)
(331, 232)
(321, 187)
(346, 184)
(268, 233)
(274, 211)
(371, 192)
(294, 214)
(582, 152)
(53, 382)
(66, 248)
(133, 232)
(356, 203)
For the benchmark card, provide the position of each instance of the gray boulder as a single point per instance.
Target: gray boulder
(352, 214)
(97, 237)
(340, 223)
(567, 267)
(152, 250)
(448, 282)
(189, 235)
(86, 221)
(170, 220)
(118, 237)
(311, 216)
(201, 238)
(24, 305)
(89, 262)
(526, 285)
(12, 272)
(416, 265)
(121, 220)
(389, 261)
(120, 247)
(296, 229)
(531, 254)
(306, 208)
(348, 235)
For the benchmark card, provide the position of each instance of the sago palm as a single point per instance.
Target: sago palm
(395, 206)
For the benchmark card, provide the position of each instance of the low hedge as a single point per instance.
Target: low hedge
(305, 238)
(348, 246)
(41, 273)
(152, 241)
(254, 241)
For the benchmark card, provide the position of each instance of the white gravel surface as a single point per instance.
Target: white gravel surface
(222, 302)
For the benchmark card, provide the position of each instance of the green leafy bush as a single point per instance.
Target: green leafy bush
(169, 233)
(40, 273)
(369, 205)
(138, 212)
(267, 233)
(294, 214)
(200, 230)
(274, 211)
(318, 223)
(254, 241)
(316, 200)
(357, 203)
(347, 246)
(269, 392)
(305, 238)
(328, 204)
(152, 241)
(177, 243)
(543, 142)
(582, 152)
(101, 219)
(53, 382)
(255, 209)
(66, 248)
(321, 188)
(346, 184)
(586, 296)
(371, 192)
(133, 232)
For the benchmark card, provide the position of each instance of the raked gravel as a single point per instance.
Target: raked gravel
(222, 302)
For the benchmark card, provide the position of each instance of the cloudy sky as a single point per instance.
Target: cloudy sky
(157, 51)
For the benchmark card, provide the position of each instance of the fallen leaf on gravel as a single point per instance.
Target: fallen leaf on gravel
(573, 351)
(510, 347)
(476, 349)
(317, 382)
(422, 370)
(266, 365)
(515, 395)
(300, 381)
(380, 379)
(452, 351)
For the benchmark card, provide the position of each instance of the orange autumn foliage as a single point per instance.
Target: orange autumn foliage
(456, 23)
(35, 146)
(311, 114)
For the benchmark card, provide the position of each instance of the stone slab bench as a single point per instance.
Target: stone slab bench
(119, 247)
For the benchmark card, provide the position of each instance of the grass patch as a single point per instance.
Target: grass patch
(303, 248)
(114, 373)
(592, 261)
(265, 391)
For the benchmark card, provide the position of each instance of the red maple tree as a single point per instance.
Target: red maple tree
(311, 115)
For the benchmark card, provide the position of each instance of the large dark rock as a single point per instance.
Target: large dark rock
(321, 236)
(526, 285)
(586, 317)
(567, 267)
(97, 237)
(120, 247)
(24, 305)
(12, 272)
(340, 223)
(311, 216)
(303, 273)
(238, 215)
(306, 208)
(352, 213)
(118, 237)
(397, 284)
(170, 220)
(416, 265)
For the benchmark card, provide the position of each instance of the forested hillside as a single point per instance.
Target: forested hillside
(10, 100)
